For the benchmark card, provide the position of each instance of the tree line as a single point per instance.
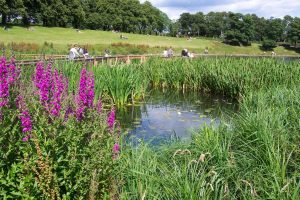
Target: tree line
(119, 15)
(144, 18)
(239, 29)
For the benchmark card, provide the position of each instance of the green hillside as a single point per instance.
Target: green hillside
(57, 40)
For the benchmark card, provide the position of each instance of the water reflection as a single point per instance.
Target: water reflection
(166, 114)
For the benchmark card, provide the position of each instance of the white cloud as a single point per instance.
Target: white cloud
(264, 8)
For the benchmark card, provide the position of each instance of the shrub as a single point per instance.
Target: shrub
(268, 44)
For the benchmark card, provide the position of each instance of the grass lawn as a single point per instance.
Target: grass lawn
(97, 41)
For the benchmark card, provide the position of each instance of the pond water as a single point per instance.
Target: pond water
(168, 114)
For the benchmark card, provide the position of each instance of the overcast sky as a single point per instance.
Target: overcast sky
(263, 8)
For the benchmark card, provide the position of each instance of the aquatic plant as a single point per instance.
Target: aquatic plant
(256, 157)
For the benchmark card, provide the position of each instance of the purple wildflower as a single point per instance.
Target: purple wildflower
(69, 112)
(99, 106)
(82, 87)
(80, 113)
(57, 91)
(24, 115)
(111, 119)
(116, 148)
(12, 72)
(26, 138)
(26, 121)
(86, 94)
(4, 87)
(39, 72)
(90, 90)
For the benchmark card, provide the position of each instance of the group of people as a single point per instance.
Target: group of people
(76, 52)
(184, 53)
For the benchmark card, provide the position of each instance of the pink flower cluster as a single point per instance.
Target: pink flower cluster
(111, 119)
(8, 75)
(86, 94)
(24, 117)
(4, 87)
(51, 86)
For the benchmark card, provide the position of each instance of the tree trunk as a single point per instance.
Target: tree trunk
(4, 18)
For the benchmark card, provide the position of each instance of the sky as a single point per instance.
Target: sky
(262, 8)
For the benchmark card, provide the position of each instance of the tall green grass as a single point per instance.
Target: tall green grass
(256, 158)
(232, 77)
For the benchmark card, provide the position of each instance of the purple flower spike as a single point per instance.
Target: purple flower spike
(4, 86)
(90, 91)
(26, 121)
(116, 148)
(99, 106)
(26, 138)
(86, 94)
(111, 119)
(69, 112)
(24, 115)
(39, 71)
(57, 92)
(12, 72)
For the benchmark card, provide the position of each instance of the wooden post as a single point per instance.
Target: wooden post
(95, 62)
(128, 61)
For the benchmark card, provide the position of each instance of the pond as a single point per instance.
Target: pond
(169, 114)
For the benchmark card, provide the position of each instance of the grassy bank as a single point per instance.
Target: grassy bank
(58, 40)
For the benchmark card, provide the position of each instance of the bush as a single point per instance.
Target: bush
(268, 44)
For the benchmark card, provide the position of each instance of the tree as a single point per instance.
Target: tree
(274, 29)
(186, 20)
(216, 23)
(239, 29)
(259, 27)
(293, 33)
(10, 9)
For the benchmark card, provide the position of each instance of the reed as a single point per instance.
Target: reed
(255, 158)
(232, 77)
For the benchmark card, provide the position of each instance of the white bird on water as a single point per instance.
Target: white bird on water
(178, 112)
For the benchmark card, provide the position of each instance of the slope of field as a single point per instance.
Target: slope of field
(97, 41)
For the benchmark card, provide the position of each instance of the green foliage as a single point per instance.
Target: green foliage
(239, 29)
(294, 31)
(63, 159)
(268, 44)
(255, 155)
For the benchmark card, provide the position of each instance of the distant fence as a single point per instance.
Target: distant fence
(113, 60)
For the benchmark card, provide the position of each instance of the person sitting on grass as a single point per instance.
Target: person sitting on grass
(206, 50)
(106, 53)
(184, 53)
(85, 53)
(170, 52)
(165, 53)
(123, 37)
